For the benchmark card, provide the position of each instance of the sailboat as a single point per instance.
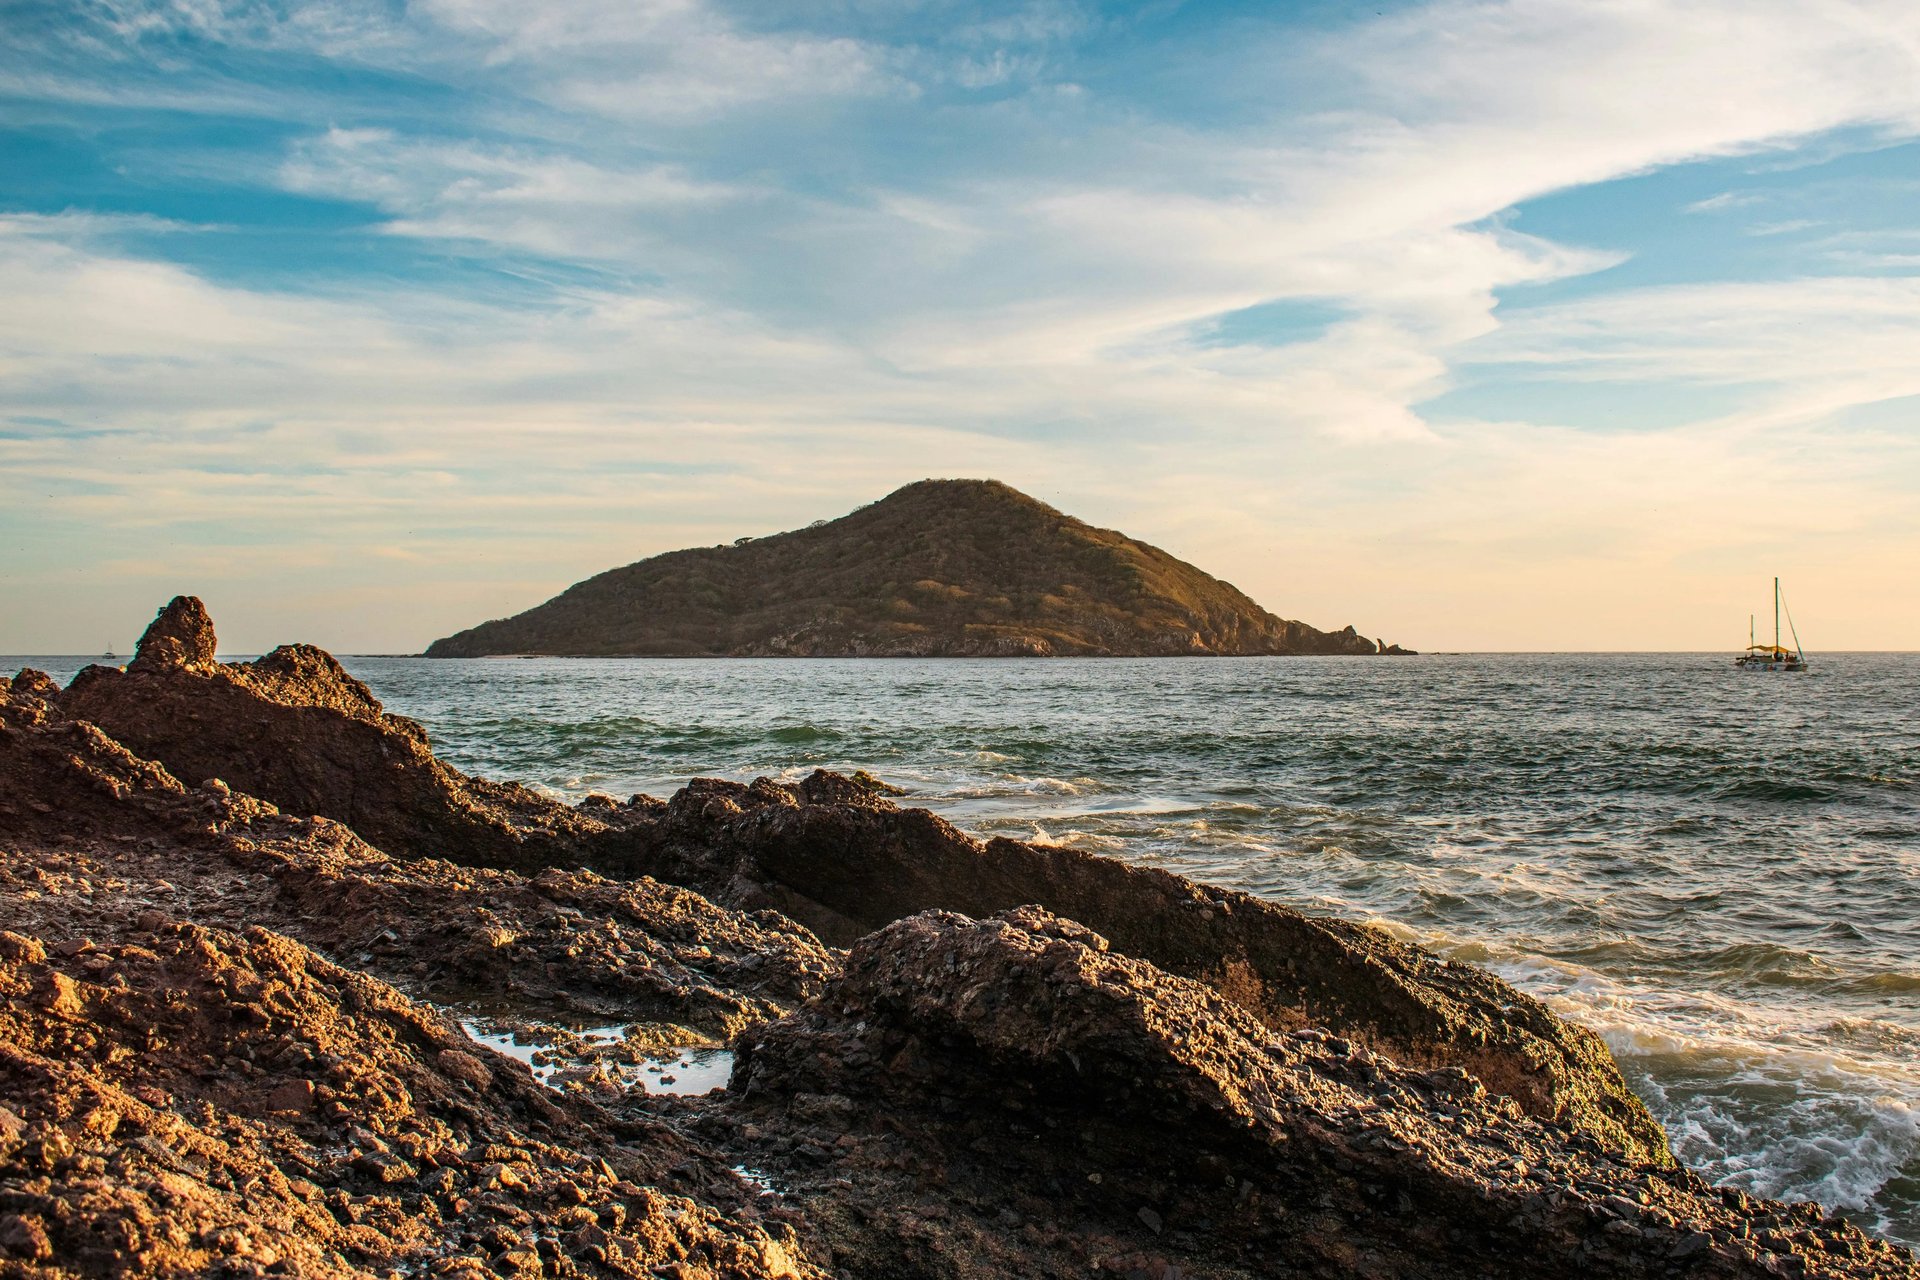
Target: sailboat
(1775, 656)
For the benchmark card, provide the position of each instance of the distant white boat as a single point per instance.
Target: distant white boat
(1775, 656)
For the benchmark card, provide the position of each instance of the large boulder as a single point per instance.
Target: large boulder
(1012, 1097)
(844, 861)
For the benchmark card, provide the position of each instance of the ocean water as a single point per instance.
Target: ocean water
(1718, 872)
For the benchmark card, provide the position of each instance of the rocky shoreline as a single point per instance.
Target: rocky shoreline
(243, 909)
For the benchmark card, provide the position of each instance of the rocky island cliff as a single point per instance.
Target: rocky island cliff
(247, 920)
(941, 568)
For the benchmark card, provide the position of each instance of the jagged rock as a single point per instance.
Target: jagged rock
(565, 940)
(180, 637)
(832, 854)
(158, 1142)
(295, 729)
(844, 861)
(30, 684)
(981, 1075)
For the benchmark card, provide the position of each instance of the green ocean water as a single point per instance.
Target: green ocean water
(1718, 872)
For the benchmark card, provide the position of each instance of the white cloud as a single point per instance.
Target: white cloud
(1812, 346)
(1725, 200)
(508, 196)
(822, 316)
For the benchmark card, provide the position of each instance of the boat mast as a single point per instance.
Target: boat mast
(1776, 615)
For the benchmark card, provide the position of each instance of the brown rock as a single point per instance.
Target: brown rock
(464, 1066)
(180, 637)
(59, 995)
(1067, 1083)
(25, 1236)
(844, 862)
(296, 1096)
(30, 683)
(141, 1186)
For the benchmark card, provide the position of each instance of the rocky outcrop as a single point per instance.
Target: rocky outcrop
(845, 861)
(295, 729)
(828, 853)
(193, 1102)
(214, 1058)
(831, 854)
(187, 1092)
(112, 829)
(942, 568)
(1010, 1097)
(180, 638)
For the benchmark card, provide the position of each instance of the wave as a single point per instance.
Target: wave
(1775, 790)
(796, 733)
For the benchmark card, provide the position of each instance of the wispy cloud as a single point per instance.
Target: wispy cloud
(1725, 200)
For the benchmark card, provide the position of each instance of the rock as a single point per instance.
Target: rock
(295, 729)
(1070, 1084)
(384, 1167)
(1003, 1095)
(465, 1067)
(59, 996)
(296, 1096)
(180, 637)
(30, 683)
(1694, 1242)
(498, 1175)
(25, 1236)
(844, 861)
(111, 1176)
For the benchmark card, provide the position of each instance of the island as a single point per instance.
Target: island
(938, 569)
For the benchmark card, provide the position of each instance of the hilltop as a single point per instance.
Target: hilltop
(940, 568)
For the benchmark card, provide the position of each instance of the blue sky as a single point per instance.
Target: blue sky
(1558, 324)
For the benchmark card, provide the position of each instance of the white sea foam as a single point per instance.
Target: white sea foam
(1774, 1100)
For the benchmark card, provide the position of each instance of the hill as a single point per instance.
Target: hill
(940, 568)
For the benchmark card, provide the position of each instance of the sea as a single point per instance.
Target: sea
(1717, 871)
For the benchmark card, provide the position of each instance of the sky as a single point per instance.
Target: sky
(1557, 324)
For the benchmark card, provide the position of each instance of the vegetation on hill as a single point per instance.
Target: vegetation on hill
(940, 568)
